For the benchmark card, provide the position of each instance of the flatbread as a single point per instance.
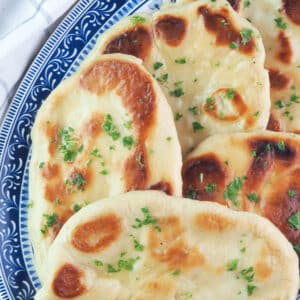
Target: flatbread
(257, 172)
(279, 24)
(209, 62)
(106, 130)
(147, 245)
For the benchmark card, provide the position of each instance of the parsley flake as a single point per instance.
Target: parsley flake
(128, 142)
(232, 265)
(137, 20)
(280, 23)
(197, 126)
(176, 272)
(281, 145)
(51, 220)
(246, 34)
(148, 220)
(232, 190)
(180, 60)
(110, 128)
(193, 110)
(157, 65)
(230, 94)
(211, 187)
(252, 197)
(41, 165)
(234, 45)
(178, 116)
(137, 245)
(294, 220)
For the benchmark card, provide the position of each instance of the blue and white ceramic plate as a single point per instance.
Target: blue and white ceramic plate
(59, 58)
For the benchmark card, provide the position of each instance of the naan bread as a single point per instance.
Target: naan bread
(279, 24)
(106, 130)
(209, 62)
(147, 245)
(257, 172)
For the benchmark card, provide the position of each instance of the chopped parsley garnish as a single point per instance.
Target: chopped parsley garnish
(41, 165)
(252, 197)
(246, 35)
(180, 60)
(297, 247)
(157, 65)
(139, 160)
(230, 94)
(169, 139)
(51, 220)
(176, 272)
(148, 220)
(295, 98)
(243, 250)
(248, 274)
(163, 78)
(256, 114)
(68, 144)
(30, 204)
(281, 145)
(128, 124)
(232, 265)
(98, 263)
(232, 190)
(187, 296)
(178, 116)
(137, 20)
(234, 45)
(177, 92)
(268, 147)
(209, 104)
(224, 22)
(123, 265)
(191, 193)
(137, 245)
(193, 110)
(104, 172)
(77, 180)
(247, 3)
(253, 153)
(250, 289)
(76, 207)
(95, 152)
(291, 193)
(279, 104)
(294, 220)
(280, 23)
(110, 128)
(197, 126)
(128, 142)
(211, 187)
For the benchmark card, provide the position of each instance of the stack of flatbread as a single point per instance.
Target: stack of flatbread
(182, 101)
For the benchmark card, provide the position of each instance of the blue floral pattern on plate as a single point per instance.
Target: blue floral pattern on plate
(59, 57)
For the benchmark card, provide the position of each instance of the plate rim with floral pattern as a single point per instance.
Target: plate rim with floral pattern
(58, 58)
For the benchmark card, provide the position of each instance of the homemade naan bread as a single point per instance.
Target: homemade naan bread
(106, 130)
(279, 24)
(209, 62)
(147, 245)
(257, 172)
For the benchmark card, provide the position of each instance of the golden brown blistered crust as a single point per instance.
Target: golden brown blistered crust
(212, 170)
(163, 186)
(138, 96)
(292, 9)
(278, 80)
(236, 102)
(286, 52)
(273, 123)
(169, 245)
(136, 41)
(67, 283)
(97, 234)
(272, 165)
(171, 29)
(225, 34)
(213, 222)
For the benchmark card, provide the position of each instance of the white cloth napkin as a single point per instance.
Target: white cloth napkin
(24, 27)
